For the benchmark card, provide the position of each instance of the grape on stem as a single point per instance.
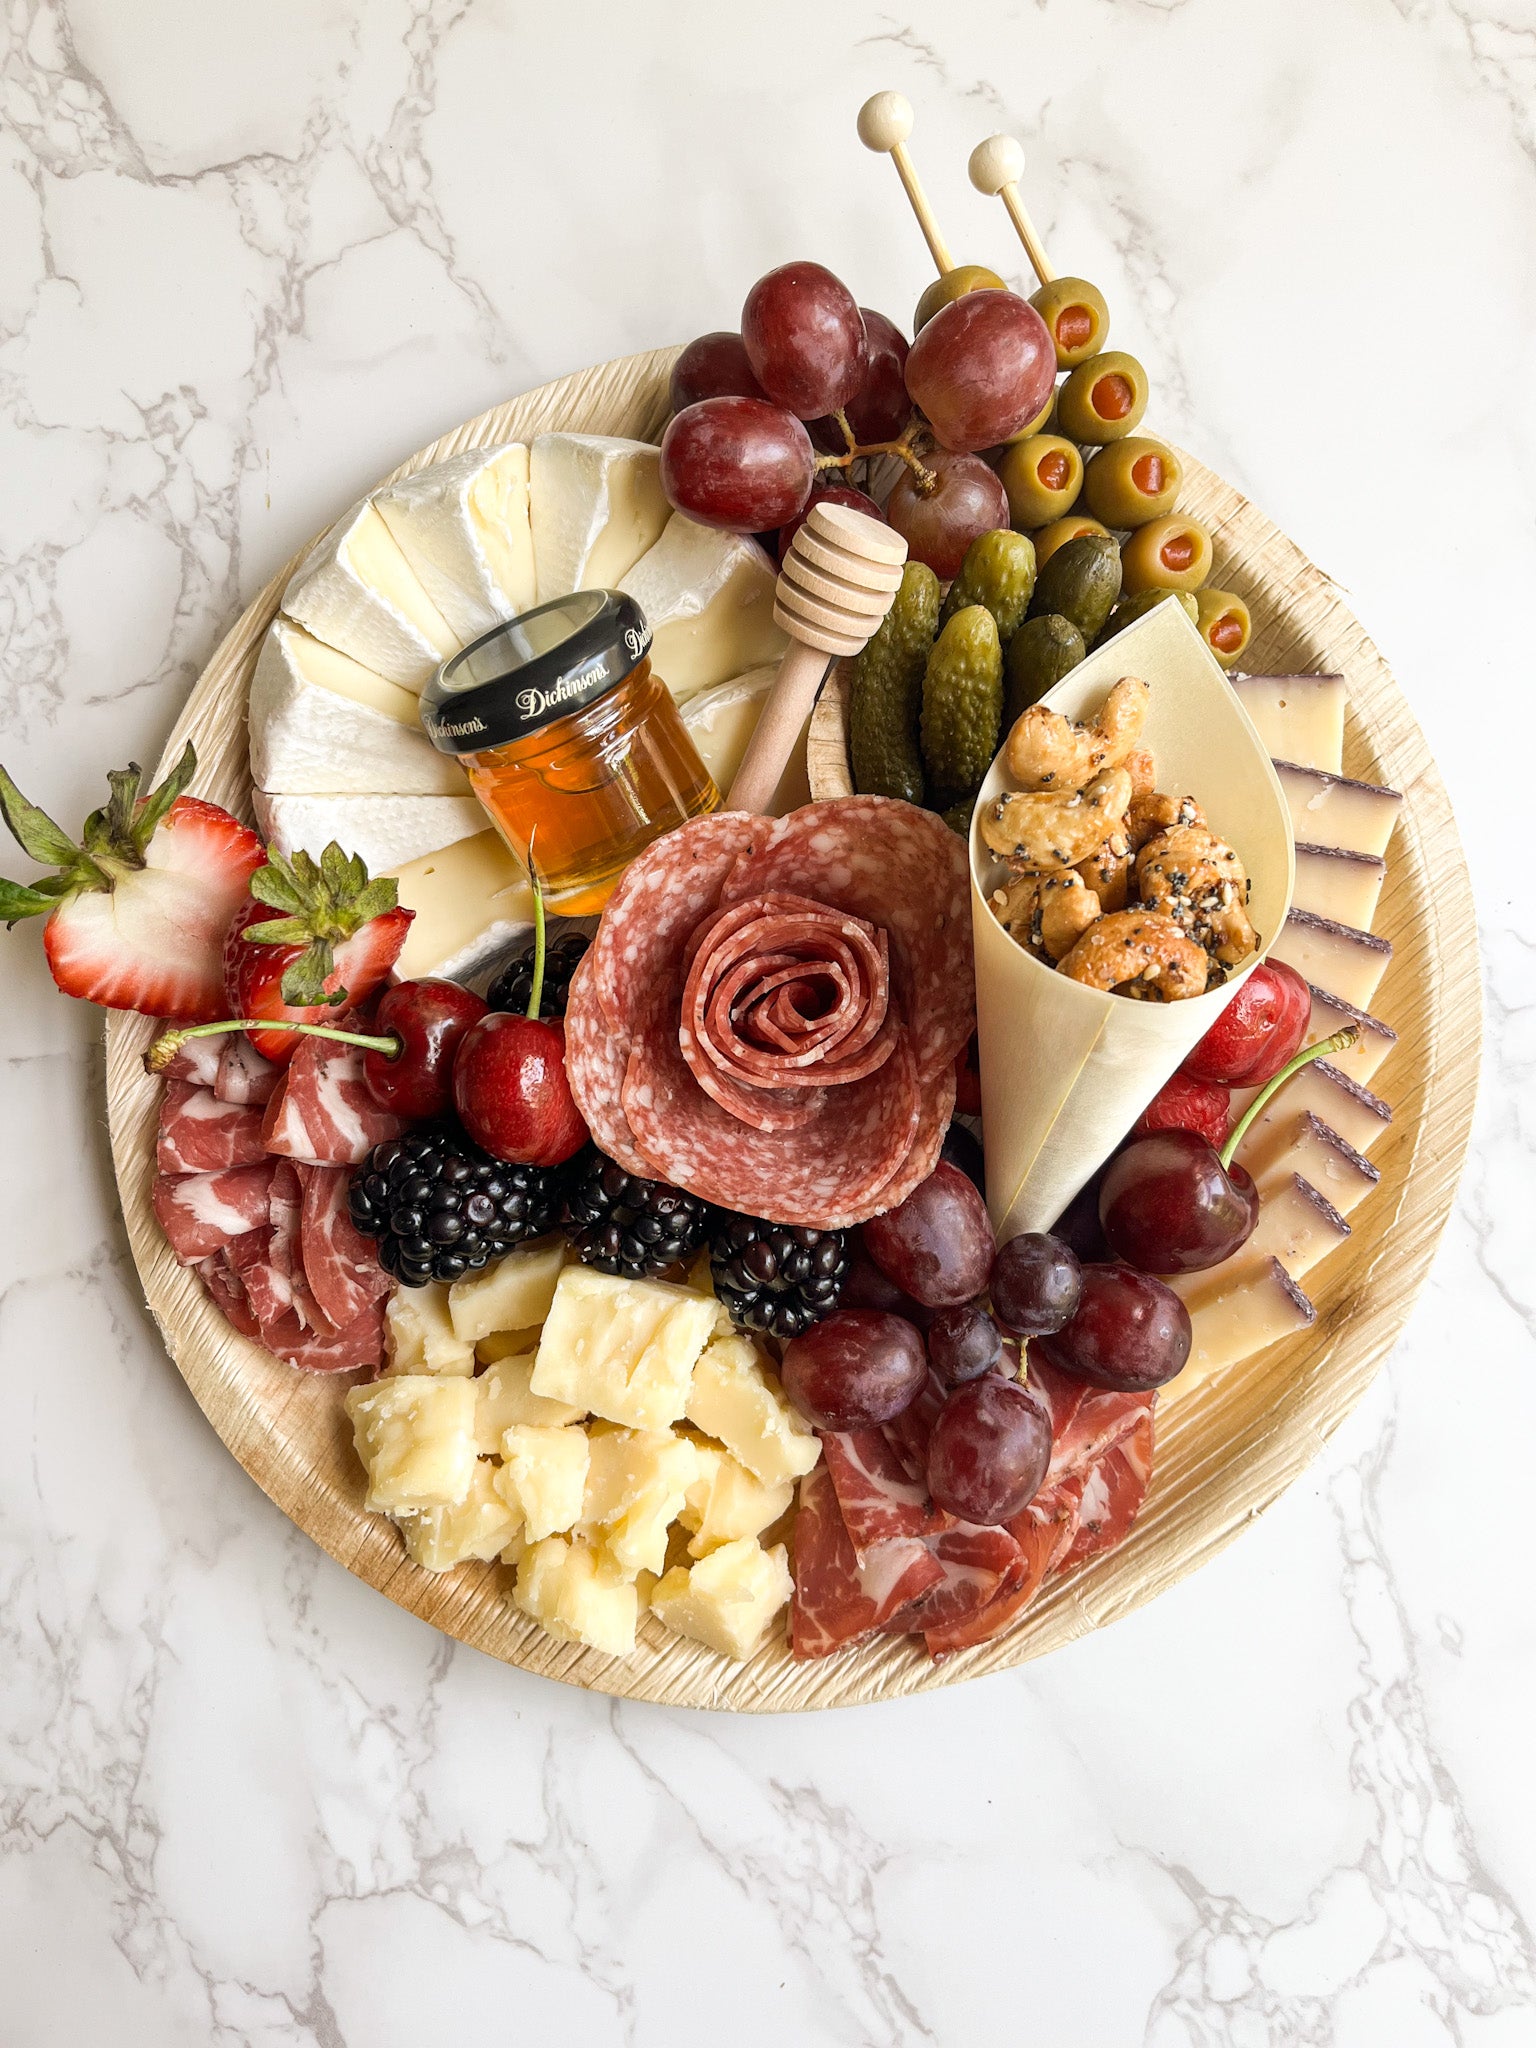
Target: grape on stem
(939, 513)
(737, 463)
(805, 339)
(714, 366)
(981, 368)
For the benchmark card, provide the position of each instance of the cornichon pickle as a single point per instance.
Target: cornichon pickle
(958, 816)
(1039, 655)
(1166, 554)
(1076, 316)
(1224, 624)
(1042, 477)
(1081, 582)
(1103, 399)
(1132, 481)
(998, 572)
(1050, 539)
(886, 701)
(1137, 607)
(962, 701)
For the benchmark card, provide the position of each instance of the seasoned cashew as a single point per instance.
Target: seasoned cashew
(1107, 870)
(1153, 812)
(1042, 832)
(1047, 751)
(1141, 955)
(1046, 913)
(1142, 769)
(1190, 875)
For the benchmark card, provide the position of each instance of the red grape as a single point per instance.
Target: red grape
(1185, 1104)
(963, 1343)
(714, 366)
(1260, 1029)
(982, 368)
(1130, 1333)
(1078, 1225)
(836, 494)
(1036, 1284)
(805, 339)
(865, 1286)
(937, 1244)
(738, 463)
(939, 525)
(1168, 1205)
(989, 1450)
(882, 408)
(854, 1369)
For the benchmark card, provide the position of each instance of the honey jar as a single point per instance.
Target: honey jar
(571, 741)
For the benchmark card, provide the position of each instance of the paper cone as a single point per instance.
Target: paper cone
(1066, 1070)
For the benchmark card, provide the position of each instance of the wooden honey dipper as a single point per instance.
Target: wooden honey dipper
(839, 577)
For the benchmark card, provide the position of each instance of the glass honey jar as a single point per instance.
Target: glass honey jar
(571, 741)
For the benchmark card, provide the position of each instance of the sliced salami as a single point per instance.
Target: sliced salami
(243, 1075)
(340, 1264)
(199, 1212)
(596, 1057)
(200, 1134)
(321, 1111)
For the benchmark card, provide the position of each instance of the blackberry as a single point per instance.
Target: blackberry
(620, 1223)
(514, 984)
(774, 1276)
(441, 1207)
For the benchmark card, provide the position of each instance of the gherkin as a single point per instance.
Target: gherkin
(1039, 655)
(963, 702)
(998, 572)
(887, 694)
(1133, 608)
(1080, 582)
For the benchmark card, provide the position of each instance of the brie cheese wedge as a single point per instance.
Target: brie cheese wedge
(722, 720)
(709, 599)
(320, 722)
(596, 505)
(472, 902)
(385, 831)
(462, 525)
(356, 591)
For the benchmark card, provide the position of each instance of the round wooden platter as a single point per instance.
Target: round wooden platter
(1226, 1452)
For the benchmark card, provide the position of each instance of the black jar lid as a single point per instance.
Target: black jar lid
(541, 666)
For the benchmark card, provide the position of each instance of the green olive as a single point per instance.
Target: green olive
(1224, 624)
(1132, 481)
(1165, 554)
(1103, 399)
(1041, 476)
(1077, 317)
(1037, 425)
(954, 284)
(1058, 533)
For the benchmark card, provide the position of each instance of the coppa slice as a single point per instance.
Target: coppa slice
(323, 1113)
(200, 1212)
(201, 1134)
(877, 1499)
(340, 1264)
(832, 1605)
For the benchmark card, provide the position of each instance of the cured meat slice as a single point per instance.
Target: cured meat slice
(243, 1075)
(1112, 1496)
(596, 1057)
(908, 1435)
(200, 1134)
(1085, 1421)
(974, 1562)
(360, 1345)
(199, 1212)
(226, 1290)
(877, 1498)
(268, 1289)
(833, 1604)
(285, 1212)
(1013, 1594)
(340, 1264)
(321, 1111)
(902, 870)
(196, 1060)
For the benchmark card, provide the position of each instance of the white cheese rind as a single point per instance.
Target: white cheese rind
(708, 597)
(596, 505)
(356, 591)
(463, 526)
(385, 832)
(1298, 718)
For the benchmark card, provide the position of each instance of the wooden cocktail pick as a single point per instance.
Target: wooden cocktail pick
(885, 122)
(996, 166)
(839, 577)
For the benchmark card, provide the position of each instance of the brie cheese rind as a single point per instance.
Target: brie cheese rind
(356, 591)
(720, 721)
(384, 831)
(595, 504)
(321, 723)
(463, 527)
(472, 902)
(709, 599)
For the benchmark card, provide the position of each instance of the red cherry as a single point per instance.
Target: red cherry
(511, 1090)
(1168, 1205)
(1185, 1104)
(1258, 1032)
(428, 1018)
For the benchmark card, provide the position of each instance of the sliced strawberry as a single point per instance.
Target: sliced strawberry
(138, 912)
(337, 938)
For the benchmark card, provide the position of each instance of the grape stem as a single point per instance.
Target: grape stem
(901, 447)
(169, 1043)
(849, 436)
(1341, 1041)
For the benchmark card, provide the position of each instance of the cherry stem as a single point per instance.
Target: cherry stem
(1341, 1041)
(536, 994)
(169, 1043)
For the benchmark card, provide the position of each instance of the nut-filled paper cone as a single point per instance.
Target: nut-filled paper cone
(1066, 1070)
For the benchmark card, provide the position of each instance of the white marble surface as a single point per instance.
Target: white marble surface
(252, 255)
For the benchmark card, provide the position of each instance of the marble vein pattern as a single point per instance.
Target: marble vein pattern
(250, 257)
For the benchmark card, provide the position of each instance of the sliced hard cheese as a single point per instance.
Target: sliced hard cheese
(463, 527)
(1330, 810)
(357, 592)
(321, 722)
(1247, 1317)
(471, 901)
(1336, 884)
(1346, 962)
(1354, 1112)
(1296, 1225)
(596, 504)
(1340, 1174)
(1331, 1013)
(385, 831)
(709, 599)
(722, 720)
(1299, 718)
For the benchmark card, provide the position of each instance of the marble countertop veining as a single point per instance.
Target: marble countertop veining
(251, 256)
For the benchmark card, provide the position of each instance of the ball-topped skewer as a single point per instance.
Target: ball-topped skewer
(885, 122)
(996, 167)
